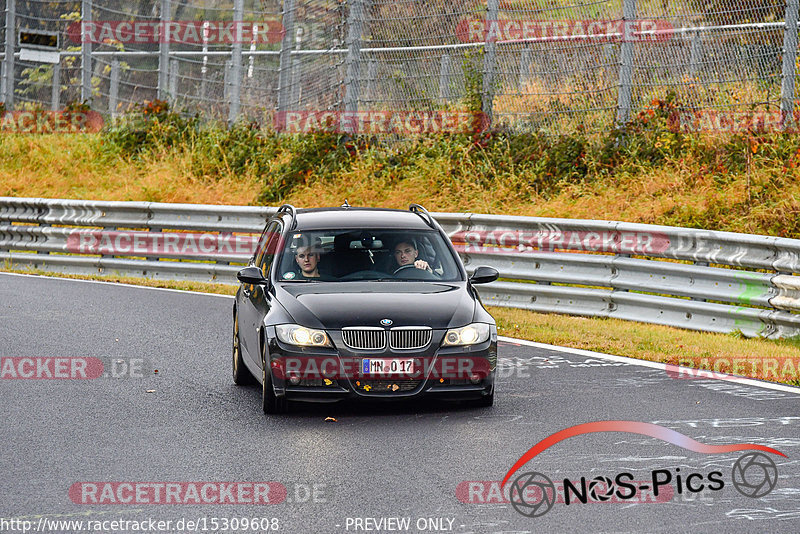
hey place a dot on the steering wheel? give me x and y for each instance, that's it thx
(404, 267)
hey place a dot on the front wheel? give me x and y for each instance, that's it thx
(485, 402)
(270, 402)
(241, 375)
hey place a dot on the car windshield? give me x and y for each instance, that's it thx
(356, 255)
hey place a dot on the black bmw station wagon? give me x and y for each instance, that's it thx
(361, 303)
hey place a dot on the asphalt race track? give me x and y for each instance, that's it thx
(413, 462)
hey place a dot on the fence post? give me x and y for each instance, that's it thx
(8, 61)
(353, 62)
(86, 52)
(626, 63)
(789, 58)
(55, 89)
(696, 54)
(444, 77)
(372, 79)
(113, 92)
(252, 59)
(204, 68)
(174, 70)
(226, 82)
(524, 68)
(296, 77)
(285, 67)
(236, 63)
(163, 50)
(490, 51)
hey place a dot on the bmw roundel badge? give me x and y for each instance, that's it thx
(386, 322)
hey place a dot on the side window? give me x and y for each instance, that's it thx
(267, 247)
(261, 246)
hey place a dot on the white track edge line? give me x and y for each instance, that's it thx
(652, 365)
(183, 291)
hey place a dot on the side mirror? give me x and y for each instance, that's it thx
(484, 275)
(251, 275)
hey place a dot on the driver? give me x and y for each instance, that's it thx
(406, 253)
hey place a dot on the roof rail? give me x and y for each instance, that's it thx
(292, 211)
(422, 212)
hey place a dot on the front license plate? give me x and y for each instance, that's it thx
(386, 366)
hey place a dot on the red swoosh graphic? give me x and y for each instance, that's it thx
(633, 427)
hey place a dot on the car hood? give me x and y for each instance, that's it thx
(335, 305)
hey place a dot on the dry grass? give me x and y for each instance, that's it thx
(683, 194)
(662, 196)
(68, 166)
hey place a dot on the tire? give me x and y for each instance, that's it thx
(241, 374)
(485, 402)
(270, 402)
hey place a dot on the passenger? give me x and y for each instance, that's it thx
(307, 259)
(406, 253)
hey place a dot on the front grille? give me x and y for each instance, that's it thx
(364, 338)
(387, 386)
(409, 338)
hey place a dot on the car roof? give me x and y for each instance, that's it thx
(357, 218)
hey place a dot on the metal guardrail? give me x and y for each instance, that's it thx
(696, 279)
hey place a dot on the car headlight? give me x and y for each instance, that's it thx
(472, 334)
(294, 334)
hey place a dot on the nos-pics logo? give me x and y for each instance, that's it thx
(533, 494)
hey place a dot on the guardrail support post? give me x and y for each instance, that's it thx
(236, 63)
(55, 89)
(355, 22)
(789, 60)
(8, 60)
(626, 63)
(163, 50)
(86, 51)
(489, 59)
(285, 68)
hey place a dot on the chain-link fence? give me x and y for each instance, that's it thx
(528, 64)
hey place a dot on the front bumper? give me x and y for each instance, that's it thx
(334, 374)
